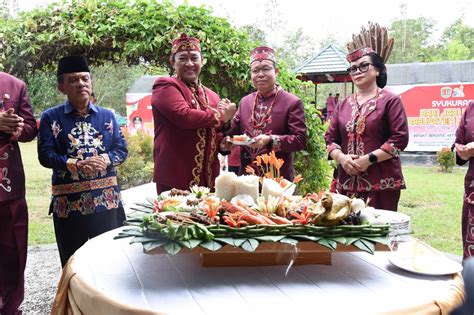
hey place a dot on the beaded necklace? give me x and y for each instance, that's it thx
(259, 124)
(362, 110)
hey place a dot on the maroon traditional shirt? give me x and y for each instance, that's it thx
(380, 123)
(280, 115)
(13, 94)
(464, 135)
(187, 134)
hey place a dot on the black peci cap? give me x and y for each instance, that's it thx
(72, 64)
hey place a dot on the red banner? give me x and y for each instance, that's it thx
(434, 112)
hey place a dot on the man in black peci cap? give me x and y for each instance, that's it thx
(82, 143)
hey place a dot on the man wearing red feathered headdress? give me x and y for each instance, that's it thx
(187, 122)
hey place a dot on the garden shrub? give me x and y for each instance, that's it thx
(138, 168)
(446, 160)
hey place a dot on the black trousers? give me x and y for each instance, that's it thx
(72, 232)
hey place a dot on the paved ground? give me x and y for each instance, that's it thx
(43, 270)
(43, 267)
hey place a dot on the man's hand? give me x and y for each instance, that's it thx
(465, 152)
(228, 111)
(226, 145)
(92, 165)
(10, 122)
(261, 141)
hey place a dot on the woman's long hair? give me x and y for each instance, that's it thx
(378, 63)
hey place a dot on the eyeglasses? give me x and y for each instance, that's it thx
(363, 67)
(264, 70)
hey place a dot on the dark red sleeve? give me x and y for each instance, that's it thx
(333, 136)
(169, 102)
(461, 131)
(397, 126)
(296, 137)
(26, 112)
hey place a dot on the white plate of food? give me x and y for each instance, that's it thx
(418, 257)
(241, 140)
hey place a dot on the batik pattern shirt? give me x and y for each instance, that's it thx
(65, 137)
(380, 123)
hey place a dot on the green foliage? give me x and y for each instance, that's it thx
(137, 32)
(412, 38)
(138, 168)
(312, 162)
(455, 35)
(457, 50)
(446, 160)
(413, 41)
(111, 82)
(296, 48)
(42, 91)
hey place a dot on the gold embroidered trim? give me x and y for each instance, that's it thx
(211, 157)
(84, 186)
(217, 117)
(199, 158)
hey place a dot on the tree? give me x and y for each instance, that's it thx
(256, 34)
(273, 21)
(139, 33)
(132, 33)
(412, 42)
(296, 48)
(457, 50)
(457, 41)
(111, 82)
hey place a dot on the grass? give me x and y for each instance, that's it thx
(38, 192)
(433, 200)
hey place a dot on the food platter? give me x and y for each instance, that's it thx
(418, 257)
(243, 142)
(399, 222)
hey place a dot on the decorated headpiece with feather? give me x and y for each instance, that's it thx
(369, 40)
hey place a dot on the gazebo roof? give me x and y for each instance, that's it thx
(329, 62)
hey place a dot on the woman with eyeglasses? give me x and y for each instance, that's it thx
(367, 132)
(272, 117)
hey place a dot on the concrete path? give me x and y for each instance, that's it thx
(43, 267)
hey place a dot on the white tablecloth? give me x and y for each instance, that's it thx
(355, 283)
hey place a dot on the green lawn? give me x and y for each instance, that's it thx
(38, 192)
(433, 200)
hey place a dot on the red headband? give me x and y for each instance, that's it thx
(262, 53)
(359, 53)
(184, 43)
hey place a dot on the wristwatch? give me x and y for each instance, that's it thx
(372, 158)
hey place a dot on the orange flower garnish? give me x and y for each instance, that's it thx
(279, 164)
(258, 160)
(249, 170)
(265, 158)
(273, 158)
(298, 179)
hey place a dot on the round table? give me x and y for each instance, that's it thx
(108, 276)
